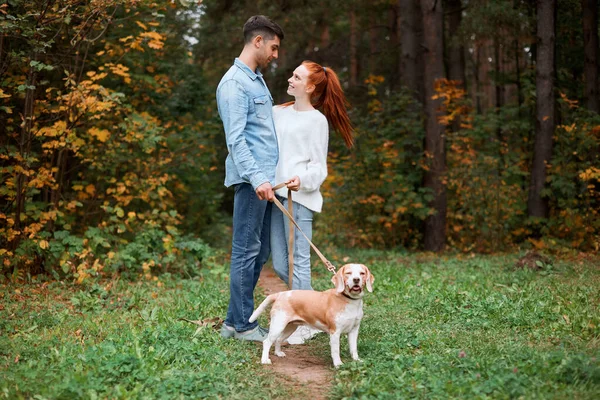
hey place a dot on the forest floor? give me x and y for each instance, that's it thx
(436, 326)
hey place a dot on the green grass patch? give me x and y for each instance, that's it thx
(61, 341)
(434, 328)
(438, 328)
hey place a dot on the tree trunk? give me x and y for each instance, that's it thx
(435, 225)
(325, 36)
(410, 46)
(590, 44)
(537, 205)
(374, 38)
(499, 86)
(456, 51)
(394, 23)
(353, 50)
(517, 52)
(476, 77)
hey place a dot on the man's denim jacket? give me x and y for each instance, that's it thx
(245, 104)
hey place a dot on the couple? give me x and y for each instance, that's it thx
(268, 145)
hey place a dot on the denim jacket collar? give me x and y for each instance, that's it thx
(251, 74)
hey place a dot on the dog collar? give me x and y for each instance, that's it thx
(351, 298)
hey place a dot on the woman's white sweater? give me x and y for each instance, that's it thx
(303, 138)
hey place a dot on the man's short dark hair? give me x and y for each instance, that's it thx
(261, 25)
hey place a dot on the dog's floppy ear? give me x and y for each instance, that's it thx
(338, 280)
(369, 280)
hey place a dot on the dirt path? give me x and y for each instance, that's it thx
(311, 374)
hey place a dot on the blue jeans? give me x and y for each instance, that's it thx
(249, 252)
(279, 244)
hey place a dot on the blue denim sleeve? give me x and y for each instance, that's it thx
(233, 109)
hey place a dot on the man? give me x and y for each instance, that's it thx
(245, 103)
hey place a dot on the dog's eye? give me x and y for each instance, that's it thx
(362, 273)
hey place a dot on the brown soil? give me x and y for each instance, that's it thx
(310, 374)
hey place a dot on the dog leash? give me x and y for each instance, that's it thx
(289, 212)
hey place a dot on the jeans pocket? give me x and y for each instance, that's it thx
(262, 107)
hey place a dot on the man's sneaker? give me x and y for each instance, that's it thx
(227, 332)
(302, 334)
(257, 334)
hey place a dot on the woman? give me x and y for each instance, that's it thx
(303, 135)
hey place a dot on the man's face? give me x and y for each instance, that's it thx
(268, 50)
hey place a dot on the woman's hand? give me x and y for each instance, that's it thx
(293, 184)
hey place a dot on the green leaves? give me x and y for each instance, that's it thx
(40, 66)
(22, 88)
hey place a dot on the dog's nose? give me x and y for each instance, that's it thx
(356, 280)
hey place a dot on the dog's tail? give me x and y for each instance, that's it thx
(263, 306)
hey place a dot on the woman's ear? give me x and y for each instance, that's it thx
(310, 88)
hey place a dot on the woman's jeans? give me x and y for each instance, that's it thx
(249, 252)
(280, 225)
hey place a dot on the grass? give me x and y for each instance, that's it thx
(124, 341)
(434, 328)
(477, 328)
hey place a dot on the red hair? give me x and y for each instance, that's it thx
(329, 97)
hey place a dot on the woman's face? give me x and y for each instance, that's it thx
(298, 83)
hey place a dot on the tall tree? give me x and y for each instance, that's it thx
(410, 45)
(498, 71)
(456, 51)
(353, 49)
(517, 50)
(590, 40)
(537, 204)
(433, 30)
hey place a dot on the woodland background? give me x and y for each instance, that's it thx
(477, 127)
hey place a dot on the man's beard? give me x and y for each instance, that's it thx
(263, 63)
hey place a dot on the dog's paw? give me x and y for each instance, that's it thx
(280, 354)
(267, 361)
(357, 359)
(337, 365)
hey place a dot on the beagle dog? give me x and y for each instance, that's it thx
(334, 311)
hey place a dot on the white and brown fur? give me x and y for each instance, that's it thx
(334, 311)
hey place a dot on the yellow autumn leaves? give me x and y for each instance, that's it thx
(100, 134)
(590, 174)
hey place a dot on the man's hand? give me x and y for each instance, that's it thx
(293, 184)
(265, 192)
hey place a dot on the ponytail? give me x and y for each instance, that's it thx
(329, 97)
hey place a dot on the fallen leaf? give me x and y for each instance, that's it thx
(215, 323)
